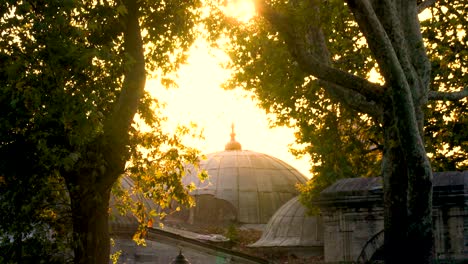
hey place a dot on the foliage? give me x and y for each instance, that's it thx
(155, 169)
(35, 221)
(232, 233)
(447, 121)
(71, 83)
(114, 258)
(342, 142)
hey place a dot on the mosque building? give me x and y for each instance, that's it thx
(244, 188)
(252, 190)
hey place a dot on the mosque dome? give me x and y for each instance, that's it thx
(290, 227)
(244, 186)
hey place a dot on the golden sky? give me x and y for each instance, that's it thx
(200, 99)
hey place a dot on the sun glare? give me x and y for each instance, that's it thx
(200, 99)
(242, 10)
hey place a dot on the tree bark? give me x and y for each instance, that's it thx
(405, 95)
(395, 183)
(89, 188)
(90, 207)
(420, 227)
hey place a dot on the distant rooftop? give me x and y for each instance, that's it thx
(441, 179)
(451, 185)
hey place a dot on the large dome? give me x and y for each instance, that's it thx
(247, 185)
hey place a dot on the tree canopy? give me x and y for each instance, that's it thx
(310, 62)
(343, 142)
(72, 78)
(446, 122)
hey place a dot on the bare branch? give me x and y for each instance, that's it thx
(422, 6)
(448, 96)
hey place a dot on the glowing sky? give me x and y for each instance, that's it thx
(200, 99)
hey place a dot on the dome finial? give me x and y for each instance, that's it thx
(233, 134)
(233, 144)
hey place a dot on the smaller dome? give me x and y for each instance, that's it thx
(290, 226)
(233, 144)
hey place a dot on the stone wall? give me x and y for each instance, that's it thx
(352, 212)
(450, 232)
(347, 231)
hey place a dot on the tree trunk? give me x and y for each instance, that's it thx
(420, 227)
(407, 199)
(90, 225)
(395, 183)
(90, 187)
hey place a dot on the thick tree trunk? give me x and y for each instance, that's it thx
(420, 227)
(90, 225)
(90, 187)
(407, 200)
(395, 177)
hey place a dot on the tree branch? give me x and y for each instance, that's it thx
(352, 99)
(448, 96)
(409, 21)
(379, 43)
(313, 66)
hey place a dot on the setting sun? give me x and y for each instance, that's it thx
(242, 10)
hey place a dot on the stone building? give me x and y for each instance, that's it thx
(255, 190)
(164, 244)
(244, 187)
(353, 220)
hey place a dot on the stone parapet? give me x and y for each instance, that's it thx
(353, 215)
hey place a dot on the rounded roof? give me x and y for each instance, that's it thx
(290, 226)
(255, 184)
